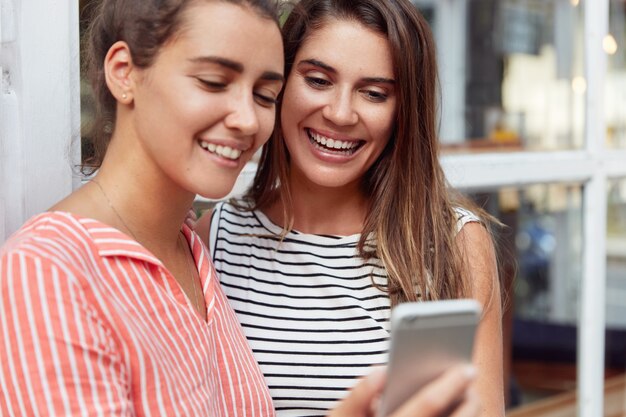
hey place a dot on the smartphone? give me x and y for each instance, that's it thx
(427, 338)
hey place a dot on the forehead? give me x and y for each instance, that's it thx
(346, 43)
(231, 31)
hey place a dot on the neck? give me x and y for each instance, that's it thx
(144, 200)
(322, 210)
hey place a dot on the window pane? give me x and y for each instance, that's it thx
(615, 46)
(541, 267)
(615, 341)
(511, 73)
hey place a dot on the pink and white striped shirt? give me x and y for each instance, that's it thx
(91, 323)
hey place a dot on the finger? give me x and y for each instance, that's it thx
(358, 403)
(439, 395)
(191, 218)
(470, 406)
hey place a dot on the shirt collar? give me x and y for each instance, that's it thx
(111, 242)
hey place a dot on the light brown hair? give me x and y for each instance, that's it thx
(411, 218)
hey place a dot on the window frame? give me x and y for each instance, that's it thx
(593, 166)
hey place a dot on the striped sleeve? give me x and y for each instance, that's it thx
(56, 355)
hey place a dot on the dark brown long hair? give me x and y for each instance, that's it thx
(411, 217)
(145, 25)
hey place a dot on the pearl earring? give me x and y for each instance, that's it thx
(124, 96)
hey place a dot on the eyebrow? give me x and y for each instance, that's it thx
(330, 69)
(318, 63)
(236, 66)
(382, 80)
(272, 76)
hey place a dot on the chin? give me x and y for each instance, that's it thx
(213, 187)
(329, 182)
(331, 179)
(213, 195)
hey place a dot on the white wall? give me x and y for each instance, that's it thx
(39, 106)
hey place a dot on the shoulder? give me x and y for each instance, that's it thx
(463, 217)
(473, 238)
(49, 241)
(40, 233)
(472, 235)
(479, 258)
(43, 265)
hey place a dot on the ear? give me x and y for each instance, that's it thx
(118, 66)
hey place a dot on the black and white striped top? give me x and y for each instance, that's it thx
(307, 305)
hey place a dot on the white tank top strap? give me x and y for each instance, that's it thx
(464, 216)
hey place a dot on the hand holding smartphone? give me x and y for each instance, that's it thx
(427, 339)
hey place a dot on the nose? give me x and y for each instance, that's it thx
(340, 110)
(243, 116)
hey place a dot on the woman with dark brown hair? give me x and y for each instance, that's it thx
(350, 213)
(110, 305)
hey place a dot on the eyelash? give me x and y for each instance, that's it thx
(317, 82)
(212, 85)
(376, 96)
(265, 100)
(261, 98)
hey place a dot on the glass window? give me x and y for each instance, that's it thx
(615, 341)
(511, 73)
(540, 259)
(615, 101)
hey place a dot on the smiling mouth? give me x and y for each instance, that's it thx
(220, 150)
(336, 146)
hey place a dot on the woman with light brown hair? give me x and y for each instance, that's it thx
(349, 213)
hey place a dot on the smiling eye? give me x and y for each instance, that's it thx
(317, 82)
(264, 100)
(212, 85)
(375, 96)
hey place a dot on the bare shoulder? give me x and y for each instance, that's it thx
(479, 255)
(475, 239)
(203, 226)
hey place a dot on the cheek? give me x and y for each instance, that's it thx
(382, 123)
(287, 115)
(266, 126)
(299, 100)
(289, 105)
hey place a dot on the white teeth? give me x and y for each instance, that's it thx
(333, 143)
(223, 151)
(234, 153)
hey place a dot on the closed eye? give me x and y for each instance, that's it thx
(317, 82)
(375, 96)
(264, 100)
(212, 85)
